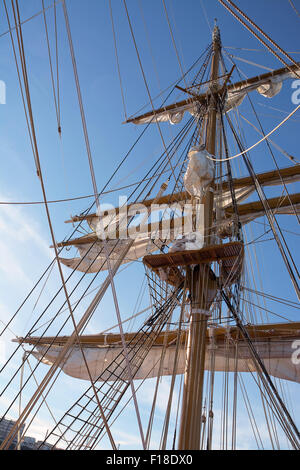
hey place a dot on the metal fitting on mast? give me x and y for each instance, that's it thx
(216, 37)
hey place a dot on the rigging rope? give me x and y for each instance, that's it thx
(259, 142)
(276, 109)
(205, 16)
(96, 192)
(268, 141)
(102, 193)
(267, 310)
(57, 294)
(79, 224)
(155, 68)
(26, 355)
(147, 87)
(295, 9)
(56, 2)
(33, 400)
(117, 58)
(270, 215)
(260, 39)
(251, 63)
(287, 302)
(268, 383)
(174, 44)
(274, 161)
(56, 102)
(290, 157)
(142, 340)
(255, 50)
(164, 438)
(79, 96)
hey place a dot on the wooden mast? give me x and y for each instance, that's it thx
(202, 289)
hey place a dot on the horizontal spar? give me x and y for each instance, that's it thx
(273, 342)
(288, 175)
(282, 204)
(174, 112)
(267, 330)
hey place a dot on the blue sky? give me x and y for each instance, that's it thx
(25, 237)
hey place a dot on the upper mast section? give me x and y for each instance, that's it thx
(202, 288)
(216, 34)
(212, 111)
(211, 126)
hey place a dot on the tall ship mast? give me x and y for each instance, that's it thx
(201, 289)
(183, 228)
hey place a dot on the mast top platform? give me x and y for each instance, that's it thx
(229, 256)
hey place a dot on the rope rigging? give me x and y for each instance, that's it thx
(262, 32)
(268, 141)
(294, 8)
(137, 343)
(293, 432)
(260, 141)
(117, 58)
(103, 191)
(71, 294)
(76, 337)
(271, 218)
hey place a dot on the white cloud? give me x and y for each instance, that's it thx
(147, 393)
(127, 439)
(19, 227)
(11, 266)
(20, 240)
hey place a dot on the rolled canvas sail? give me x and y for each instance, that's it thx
(267, 87)
(91, 261)
(275, 353)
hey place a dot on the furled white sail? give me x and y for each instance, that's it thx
(148, 238)
(287, 210)
(92, 258)
(268, 90)
(223, 199)
(268, 85)
(173, 117)
(199, 172)
(90, 261)
(275, 353)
